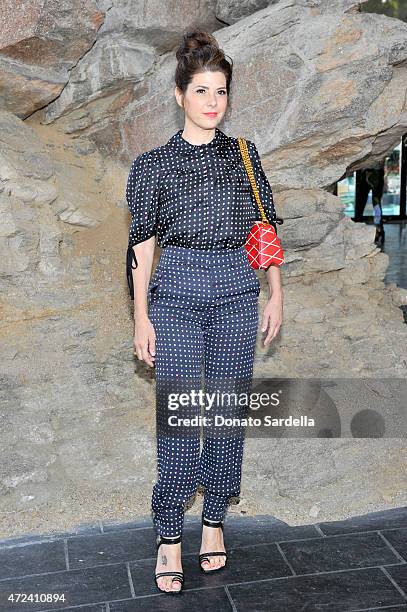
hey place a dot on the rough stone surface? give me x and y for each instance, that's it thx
(129, 45)
(230, 11)
(40, 41)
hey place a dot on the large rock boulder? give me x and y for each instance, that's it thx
(40, 42)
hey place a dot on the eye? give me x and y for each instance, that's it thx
(223, 92)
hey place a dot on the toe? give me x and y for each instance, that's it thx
(164, 583)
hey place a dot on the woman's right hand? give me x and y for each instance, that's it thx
(144, 340)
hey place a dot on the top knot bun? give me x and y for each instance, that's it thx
(194, 40)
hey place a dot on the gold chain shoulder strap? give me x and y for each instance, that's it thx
(249, 169)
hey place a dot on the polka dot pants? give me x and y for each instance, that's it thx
(204, 309)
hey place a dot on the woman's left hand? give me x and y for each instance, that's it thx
(272, 317)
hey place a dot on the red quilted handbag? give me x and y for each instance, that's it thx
(262, 245)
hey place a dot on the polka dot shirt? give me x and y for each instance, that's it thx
(195, 196)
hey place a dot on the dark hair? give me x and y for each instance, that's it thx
(199, 51)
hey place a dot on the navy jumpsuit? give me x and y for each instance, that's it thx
(203, 304)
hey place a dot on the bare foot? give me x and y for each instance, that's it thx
(168, 559)
(212, 540)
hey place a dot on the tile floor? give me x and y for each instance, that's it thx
(355, 564)
(395, 245)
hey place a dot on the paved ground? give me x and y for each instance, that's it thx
(395, 246)
(355, 564)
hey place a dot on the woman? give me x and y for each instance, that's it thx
(202, 302)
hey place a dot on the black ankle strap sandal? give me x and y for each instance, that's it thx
(205, 556)
(177, 576)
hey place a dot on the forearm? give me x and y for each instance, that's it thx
(144, 252)
(273, 275)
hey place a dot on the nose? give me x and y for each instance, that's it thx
(212, 101)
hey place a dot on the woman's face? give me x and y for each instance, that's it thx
(206, 93)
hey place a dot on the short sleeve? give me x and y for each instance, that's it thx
(142, 192)
(263, 185)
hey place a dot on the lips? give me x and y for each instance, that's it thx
(210, 114)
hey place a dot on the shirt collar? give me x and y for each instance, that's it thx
(186, 148)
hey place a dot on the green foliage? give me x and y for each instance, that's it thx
(392, 8)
